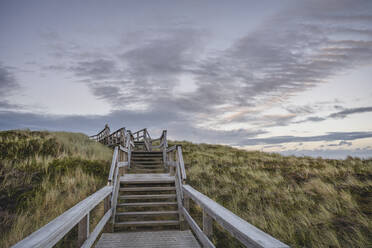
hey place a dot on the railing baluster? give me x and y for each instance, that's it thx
(207, 224)
(83, 229)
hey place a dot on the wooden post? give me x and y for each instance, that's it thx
(106, 207)
(186, 205)
(83, 230)
(186, 202)
(170, 159)
(207, 224)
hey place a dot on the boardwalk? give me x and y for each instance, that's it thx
(146, 203)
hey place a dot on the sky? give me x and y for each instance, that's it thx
(288, 76)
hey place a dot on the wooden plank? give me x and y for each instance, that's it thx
(115, 193)
(97, 230)
(147, 213)
(123, 149)
(123, 164)
(246, 233)
(181, 163)
(199, 233)
(51, 233)
(134, 189)
(161, 196)
(186, 202)
(148, 223)
(147, 178)
(179, 195)
(158, 239)
(146, 204)
(172, 148)
(83, 229)
(113, 164)
(207, 224)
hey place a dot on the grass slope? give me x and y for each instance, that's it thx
(42, 174)
(302, 201)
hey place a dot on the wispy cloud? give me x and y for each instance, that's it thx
(338, 115)
(8, 85)
(332, 136)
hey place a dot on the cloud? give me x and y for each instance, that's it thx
(338, 115)
(344, 113)
(7, 80)
(234, 86)
(97, 69)
(258, 71)
(343, 142)
(332, 136)
(8, 85)
(331, 153)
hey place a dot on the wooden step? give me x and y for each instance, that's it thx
(133, 189)
(145, 153)
(147, 213)
(148, 162)
(145, 166)
(157, 158)
(146, 178)
(137, 170)
(146, 204)
(163, 196)
(147, 223)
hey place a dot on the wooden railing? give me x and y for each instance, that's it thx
(113, 139)
(101, 135)
(54, 231)
(247, 234)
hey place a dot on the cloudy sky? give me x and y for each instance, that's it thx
(281, 76)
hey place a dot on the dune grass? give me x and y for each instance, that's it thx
(302, 201)
(42, 174)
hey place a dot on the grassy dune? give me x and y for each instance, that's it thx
(303, 201)
(42, 174)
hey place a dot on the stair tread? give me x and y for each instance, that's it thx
(146, 213)
(134, 204)
(147, 178)
(147, 189)
(145, 223)
(147, 196)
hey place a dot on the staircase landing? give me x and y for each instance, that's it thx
(161, 239)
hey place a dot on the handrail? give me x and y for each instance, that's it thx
(181, 163)
(246, 233)
(51, 233)
(102, 134)
(113, 165)
(54, 231)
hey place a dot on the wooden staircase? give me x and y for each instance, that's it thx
(147, 162)
(147, 202)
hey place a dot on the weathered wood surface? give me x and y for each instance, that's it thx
(51, 233)
(199, 233)
(143, 178)
(246, 233)
(97, 230)
(161, 239)
(113, 164)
